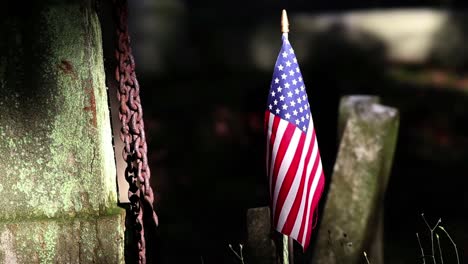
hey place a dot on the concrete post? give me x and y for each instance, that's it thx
(261, 247)
(58, 188)
(352, 220)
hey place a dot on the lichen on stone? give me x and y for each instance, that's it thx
(55, 155)
(65, 240)
(55, 140)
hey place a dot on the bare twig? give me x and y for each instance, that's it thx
(365, 255)
(440, 249)
(241, 256)
(453, 243)
(422, 250)
(432, 235)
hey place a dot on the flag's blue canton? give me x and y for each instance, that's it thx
(288, 97)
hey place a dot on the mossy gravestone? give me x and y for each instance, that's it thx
(58, 189)
(352, 219)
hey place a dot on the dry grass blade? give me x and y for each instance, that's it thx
(365, 255)
(453, 243)
(240, 257)
(440, 249)
(432, 235)
(422, 250)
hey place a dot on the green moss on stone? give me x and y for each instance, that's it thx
(358, 184)
(47, 255)
(55, 141)
(71, 240)
(59, 159)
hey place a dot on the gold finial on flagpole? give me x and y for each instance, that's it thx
(284, 22)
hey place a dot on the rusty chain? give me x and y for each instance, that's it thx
(132, 133)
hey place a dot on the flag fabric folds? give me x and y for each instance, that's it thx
(293, 159)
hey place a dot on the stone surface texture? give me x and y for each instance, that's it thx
(352, 218)
(58, 188)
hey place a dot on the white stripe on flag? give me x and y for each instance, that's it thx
(285, 211)
(288, 156)
(298, 222)
(271, 118)
(279, 135)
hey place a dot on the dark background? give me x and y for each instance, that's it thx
(204, 95)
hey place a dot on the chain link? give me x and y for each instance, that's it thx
(132, 133)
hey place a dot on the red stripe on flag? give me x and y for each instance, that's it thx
(267, 119)
(309, 185)
(289, 177)
(315, 202)
(285, 140)
(293, 213)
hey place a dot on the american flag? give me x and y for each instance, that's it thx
(293, 160)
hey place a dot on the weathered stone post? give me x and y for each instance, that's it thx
(260, 245)
(349, 105)
(352, 220)
(57, 172)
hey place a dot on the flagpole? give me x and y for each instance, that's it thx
(288, 244)
(285, 244)
(288, 250)
(284, 22)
